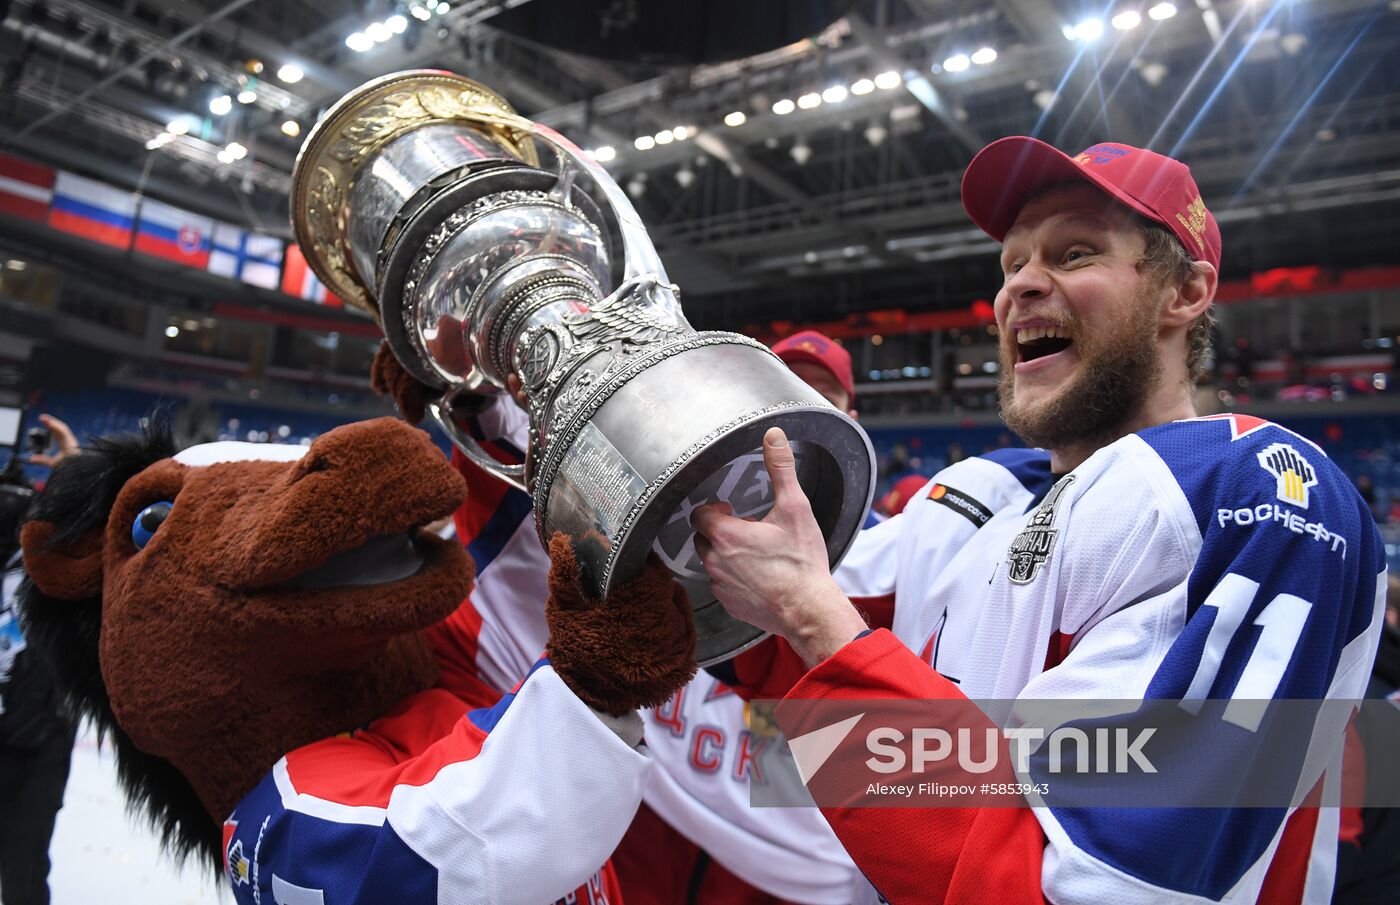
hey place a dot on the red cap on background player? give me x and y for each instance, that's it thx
(819, 349)
(1006, 173)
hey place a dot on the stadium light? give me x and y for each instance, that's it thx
(862, 86)
(1161, 11)
(291, 128)
(1089, 30)
(984, 55)
(290, 73)
(247, 96)
(604, 154)
(737, 118)
(956, 63)
(644, 143)
(887, 80)
(221, 105)
(810, 101)
(784, 107)
(378, 32)
(359, 42)
(397, 24)
(835, 94)
(664, 137)
(1127, 20)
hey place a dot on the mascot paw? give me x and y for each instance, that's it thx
(388, 378)
(631, 650)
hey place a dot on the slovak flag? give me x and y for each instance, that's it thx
(299, 280)
(25, 188)
(250, 257)
(173, 234)
(93, 210)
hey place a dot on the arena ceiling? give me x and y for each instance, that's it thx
(1288, 112)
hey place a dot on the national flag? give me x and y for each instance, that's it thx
(242, 255)
(92, 210)
(299, 280)
(176, 235)
(25, 188)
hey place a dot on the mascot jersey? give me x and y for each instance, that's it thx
(1221, 557)
(706, 756)
(449, 798)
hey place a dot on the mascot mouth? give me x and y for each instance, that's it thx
(383, 559)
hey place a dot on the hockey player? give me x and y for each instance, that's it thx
(1144, 553)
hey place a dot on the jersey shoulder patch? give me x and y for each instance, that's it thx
(1239, 460)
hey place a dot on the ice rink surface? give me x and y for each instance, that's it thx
(101, 854)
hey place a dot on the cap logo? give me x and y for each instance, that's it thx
(1195, 220)
(808, 345)
(1100, 154)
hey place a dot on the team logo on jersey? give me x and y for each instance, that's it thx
(238, 865)
(1292, 473)
(1031, 548)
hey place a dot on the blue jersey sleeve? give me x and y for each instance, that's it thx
(1278, 613)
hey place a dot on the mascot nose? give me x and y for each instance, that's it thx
(373, 451)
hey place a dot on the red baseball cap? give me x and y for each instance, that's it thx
(1007, 172)
(819, 349)
(902, 492)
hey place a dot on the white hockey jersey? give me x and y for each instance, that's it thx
(1221, 557)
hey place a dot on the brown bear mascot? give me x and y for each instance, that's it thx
(279, 652)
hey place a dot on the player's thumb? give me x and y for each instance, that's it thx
(782, 469)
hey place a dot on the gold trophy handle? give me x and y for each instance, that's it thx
(514, 475)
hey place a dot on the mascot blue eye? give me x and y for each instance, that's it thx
(148, 522)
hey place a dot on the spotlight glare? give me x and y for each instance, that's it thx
(359, 42)
(378, 32)
(984, 55)
(644, 142)
(887, 80)
(809, 101)
(1127, 20)
(956, 63)
(862, 86)
(681, 133)
(397, 24)
(290, 73)
(664, 137)
(835, 94)
(420, 12)
(1161, 11)
(236, 150)
(737, 118)
(172, 331)
(247, 96)
(178, 127)
(604, 153)
(291, 128)
(1089, 30)
(221, 105)
(784, 107)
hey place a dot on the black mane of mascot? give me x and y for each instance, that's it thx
(211, 618)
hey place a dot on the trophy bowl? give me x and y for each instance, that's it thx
(498, 257)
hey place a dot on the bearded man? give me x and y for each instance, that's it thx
(1143, 553)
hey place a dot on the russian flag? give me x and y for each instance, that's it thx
(173, 234)
(98, 212)
(250, 257)
(299, 280)
(25, 188)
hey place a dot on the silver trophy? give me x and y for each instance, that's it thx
(492, 250)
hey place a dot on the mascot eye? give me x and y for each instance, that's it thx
(148, 522)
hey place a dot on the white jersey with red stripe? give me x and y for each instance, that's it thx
(1221, 557)
(704, 753)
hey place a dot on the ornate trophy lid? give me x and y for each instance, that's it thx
(360, 124)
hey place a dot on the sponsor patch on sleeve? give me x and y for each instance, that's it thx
(960, 503)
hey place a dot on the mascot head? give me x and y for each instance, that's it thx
(216, 608)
